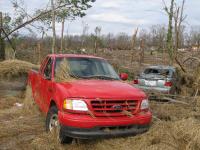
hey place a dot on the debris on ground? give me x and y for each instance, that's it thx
(175, 125)
(15, 68)
(18, 104)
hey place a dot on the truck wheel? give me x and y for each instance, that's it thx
(52, 124)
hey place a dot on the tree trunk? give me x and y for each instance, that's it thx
(142, 48)
(62, 35)
(2, 45)
(182, 18)
(176, 32)
(133, 44)
(53, 27)
(95, 45)
(170, 33)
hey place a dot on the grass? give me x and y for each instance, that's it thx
(25, 127)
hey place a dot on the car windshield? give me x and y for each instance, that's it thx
(155, 71)
(89, 68)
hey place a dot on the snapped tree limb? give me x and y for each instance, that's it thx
(33, 19)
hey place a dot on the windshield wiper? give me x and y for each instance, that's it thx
(103, 77)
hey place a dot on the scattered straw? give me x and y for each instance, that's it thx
(176, 127)
(29, 106)
(63, 72)
(15, 68)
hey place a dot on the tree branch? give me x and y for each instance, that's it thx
(165, 7)
(179, 63)
(9, 40)
(33, 19)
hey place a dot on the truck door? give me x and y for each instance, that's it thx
(46, 89)
(37, 84)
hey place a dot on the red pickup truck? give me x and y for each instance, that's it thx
(96, 104)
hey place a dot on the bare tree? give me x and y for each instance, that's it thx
(109, 40)
(142, 49)
(97, 31)
(123, 41)
(53, 27)
(133, 44)
(84, 33)
(194, 37)
(157, 35)
(62, 34)
(177, 13)
(70, 14)
(170, 13)
(26, 19)
(178, 20)
(2, 48)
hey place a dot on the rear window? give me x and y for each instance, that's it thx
(163, 72)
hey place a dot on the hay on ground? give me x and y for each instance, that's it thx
(15, 68)
(29, 105)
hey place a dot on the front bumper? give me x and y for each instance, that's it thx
(87, 127)
(103, 132)
(88, 122)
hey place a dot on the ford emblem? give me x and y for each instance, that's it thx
(117, 107)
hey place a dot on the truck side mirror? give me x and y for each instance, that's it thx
(123, 76)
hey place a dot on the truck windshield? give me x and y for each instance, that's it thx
(89, 68)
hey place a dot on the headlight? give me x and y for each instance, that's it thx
(78, 105)
(144, 104)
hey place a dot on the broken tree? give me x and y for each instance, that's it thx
(2, 45)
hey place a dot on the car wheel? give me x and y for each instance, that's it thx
(52, 125)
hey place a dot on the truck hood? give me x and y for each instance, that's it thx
(94, 89)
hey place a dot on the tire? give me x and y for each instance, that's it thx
(52, 123)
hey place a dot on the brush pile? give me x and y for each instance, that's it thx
(188, 82)
(15, 68)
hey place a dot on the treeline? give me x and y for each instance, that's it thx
(151, 39)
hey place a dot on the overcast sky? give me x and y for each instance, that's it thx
(117, 15)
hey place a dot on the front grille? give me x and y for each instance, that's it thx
(114, 107)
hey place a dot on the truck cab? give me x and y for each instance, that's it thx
(96, 103)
